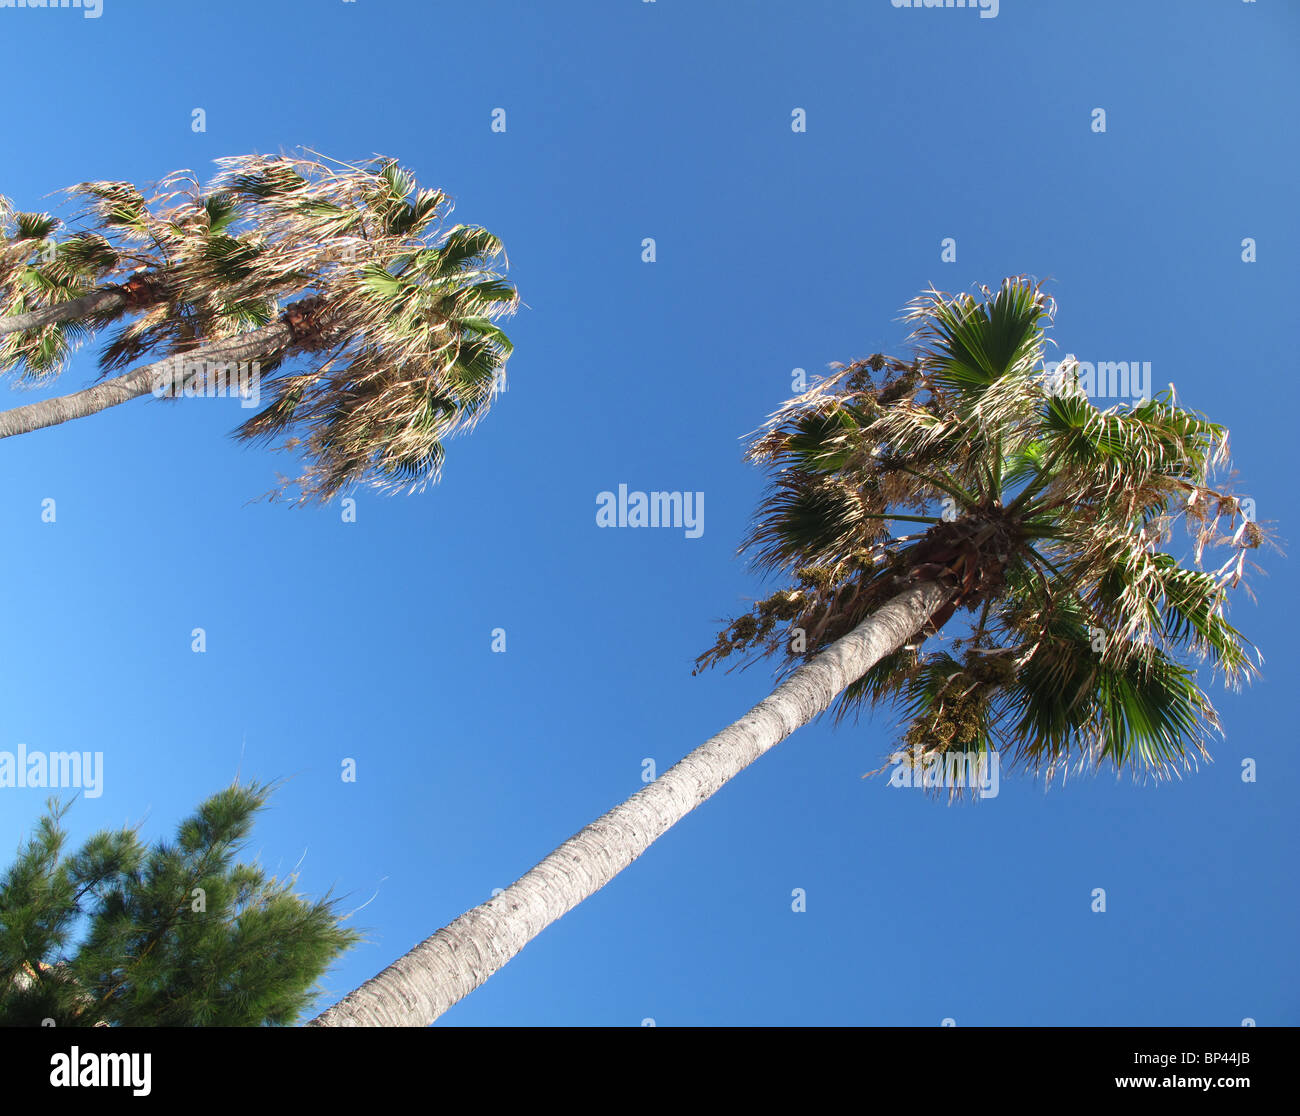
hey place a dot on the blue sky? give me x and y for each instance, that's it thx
(776, 250)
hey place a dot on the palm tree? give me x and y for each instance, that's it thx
(1028, 508)
(353, 272)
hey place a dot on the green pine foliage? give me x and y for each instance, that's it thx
(179, 934)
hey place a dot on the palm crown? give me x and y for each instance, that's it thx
(1042, 514)
(392, 312)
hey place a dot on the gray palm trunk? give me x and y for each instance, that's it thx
(98, 303)
(420, 986)
(141, 381)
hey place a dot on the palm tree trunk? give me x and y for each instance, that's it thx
(141, 381)
(103, 301)
(420, 986)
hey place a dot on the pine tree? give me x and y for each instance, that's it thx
(177, 934)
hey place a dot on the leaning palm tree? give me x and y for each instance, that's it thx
(376, 321)
(905, 492)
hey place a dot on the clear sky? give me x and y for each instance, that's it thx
(776, 250)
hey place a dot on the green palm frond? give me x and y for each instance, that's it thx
(33, 226)
(969, 344)
(809, 519)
